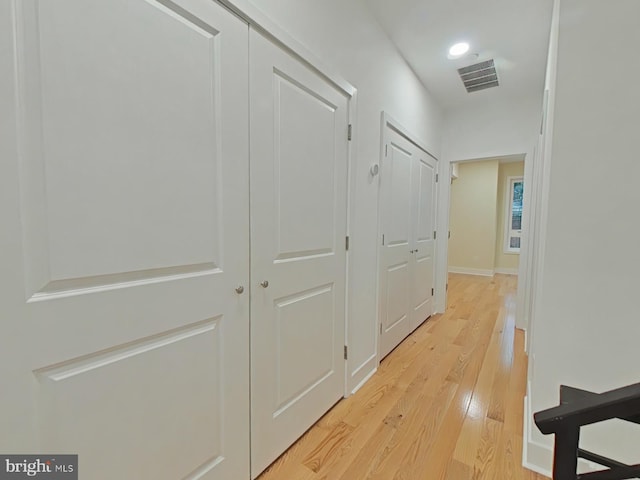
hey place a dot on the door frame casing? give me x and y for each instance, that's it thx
(267, 27)
(387, 120)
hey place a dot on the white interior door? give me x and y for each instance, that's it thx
(407, 206)
(122, 336)
(298, 222)
(423, 196)
(396, 254)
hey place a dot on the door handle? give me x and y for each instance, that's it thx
(239, 289)
(264, 284)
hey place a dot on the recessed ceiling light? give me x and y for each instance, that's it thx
(458, 50)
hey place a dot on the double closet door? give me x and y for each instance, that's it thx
(407, 209)
(131, 218)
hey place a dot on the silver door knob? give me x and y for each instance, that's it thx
(239, 289)
(264, 284)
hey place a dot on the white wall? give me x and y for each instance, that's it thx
(346, 36)
(585, 312)
(505, 127)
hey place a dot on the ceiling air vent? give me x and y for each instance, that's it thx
(479, 76)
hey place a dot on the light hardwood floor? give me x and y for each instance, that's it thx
(446, 404)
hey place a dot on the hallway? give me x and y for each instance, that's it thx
(446, 404)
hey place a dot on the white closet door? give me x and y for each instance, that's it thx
(407, 208)
(423, 197)
(396, 256)
(123, 337)
(298, 222)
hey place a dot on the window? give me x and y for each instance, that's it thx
(513, 214)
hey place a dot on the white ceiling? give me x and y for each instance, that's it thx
(515, 33)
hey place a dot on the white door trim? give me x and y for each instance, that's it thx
(260, 22)
(440, 280)
(263, 24)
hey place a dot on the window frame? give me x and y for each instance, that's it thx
(508, 215)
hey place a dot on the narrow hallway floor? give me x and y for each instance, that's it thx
(446, 404)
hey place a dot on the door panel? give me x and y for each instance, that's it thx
(407, 199)
(424, 199)
(396, 269)
(298, 224)
(133, 138)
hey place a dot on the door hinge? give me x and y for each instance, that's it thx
(432, 292)
(446, 288)
(435, 234)
(383, 239)
(381, 329)
(449, 234)
(346, 242)
(349, 132)
(386, 150)
(346, 352)
(437, 177)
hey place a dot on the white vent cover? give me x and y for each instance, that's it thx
(479, 76)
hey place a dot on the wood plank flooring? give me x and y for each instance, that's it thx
(446, 404)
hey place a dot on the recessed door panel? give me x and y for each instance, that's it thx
(397, 204)
(301, 322)
(396, 270)
(122, 155)
(407, 206)
(424, 243)
(133, 176)
(425, 216)
(398, 287)
(298, 261)
(141, 392)
(305, 179)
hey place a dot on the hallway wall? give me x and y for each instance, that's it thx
(585, 325)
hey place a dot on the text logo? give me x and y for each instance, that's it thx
(40, 467)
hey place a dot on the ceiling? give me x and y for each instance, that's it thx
(515, 33)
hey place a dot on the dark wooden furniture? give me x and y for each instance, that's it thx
(578, 408)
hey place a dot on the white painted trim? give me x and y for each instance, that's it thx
(507, 271)
(541, 172)
(508, 192)
(439, 281)
(267, 27)
(441, 221)
(534, 454)
(442, 242)
(388, 120)
(472, 271)
(518, 157)
(351, 372)
(362, 373)
(364, 380)
(258, 20)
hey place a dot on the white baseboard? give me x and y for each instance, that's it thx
(507, 271)
(472, 271)
(535, 456)
(364, 380)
